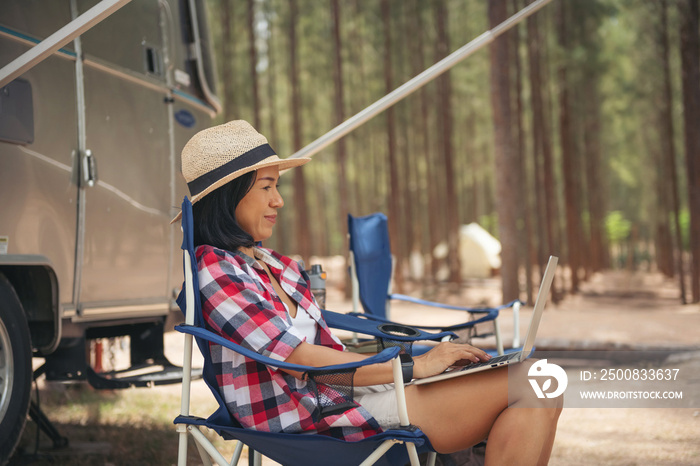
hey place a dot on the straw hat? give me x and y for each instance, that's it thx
(217, 155)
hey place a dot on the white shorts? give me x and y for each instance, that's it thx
(380, 402)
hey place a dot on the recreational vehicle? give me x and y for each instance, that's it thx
(90, 138)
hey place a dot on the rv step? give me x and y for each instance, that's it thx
(144, 375)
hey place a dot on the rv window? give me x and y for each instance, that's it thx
(17, 113)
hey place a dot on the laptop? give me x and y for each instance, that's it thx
(516, 356)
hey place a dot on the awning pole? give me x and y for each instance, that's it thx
(58, 39)
(417, 82)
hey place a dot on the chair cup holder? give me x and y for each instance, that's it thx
(394, 334)
(398, 330)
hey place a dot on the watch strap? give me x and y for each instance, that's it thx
(406, 367)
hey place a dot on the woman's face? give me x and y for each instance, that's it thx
(257, 211)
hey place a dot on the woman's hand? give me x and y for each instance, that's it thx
(444, 355)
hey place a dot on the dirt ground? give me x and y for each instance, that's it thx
(638, 312)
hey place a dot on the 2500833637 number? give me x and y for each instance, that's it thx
(639, 374)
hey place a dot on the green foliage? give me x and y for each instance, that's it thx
(617, 227)
(684, 221)
(489, 223)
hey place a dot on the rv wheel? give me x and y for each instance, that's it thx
(15, 369)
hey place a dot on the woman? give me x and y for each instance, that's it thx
(262, 300)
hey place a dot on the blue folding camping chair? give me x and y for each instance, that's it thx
(290, 449)
(371, 268)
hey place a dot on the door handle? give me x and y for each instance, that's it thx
(89, 169)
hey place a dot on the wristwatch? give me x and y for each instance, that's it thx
(406, 367)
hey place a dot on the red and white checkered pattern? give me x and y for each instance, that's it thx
(239, 303)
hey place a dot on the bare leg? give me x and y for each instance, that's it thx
(522, 436)
(460, 412)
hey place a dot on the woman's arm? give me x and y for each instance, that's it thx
(307, 354)
(433, 362)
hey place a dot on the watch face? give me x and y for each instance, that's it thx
(406, 359)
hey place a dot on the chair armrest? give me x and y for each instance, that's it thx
(490, 316)
(331, 385)
(370, 325)
(476, 310)
(208, 335)
(447, 329)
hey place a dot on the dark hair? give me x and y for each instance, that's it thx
(214, 216)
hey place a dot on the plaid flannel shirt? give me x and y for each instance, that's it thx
(239, 303)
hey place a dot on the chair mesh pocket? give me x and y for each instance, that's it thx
(334, 390)
(468, 334)
(399, 331)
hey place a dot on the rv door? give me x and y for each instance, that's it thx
(125, 192)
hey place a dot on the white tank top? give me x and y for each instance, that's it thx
(305, 325)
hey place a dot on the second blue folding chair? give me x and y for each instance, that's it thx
(371, 267)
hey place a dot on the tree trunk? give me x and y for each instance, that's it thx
(690, 63)
(281, 240)
(430, 173)
(524, 208)
(594, 177)
(445, 123)
(341, 153)
(534, 44)
(416, 207)
(506, 165)
(253, 52)
(271, 75)
(357, 81)
(550, 182)
(300, 211)
(568, 154)
(669, 147)
(227, 70)
(395, 213)
(589, 103)
(663, 241)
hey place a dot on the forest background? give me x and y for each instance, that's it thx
(574, 134)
